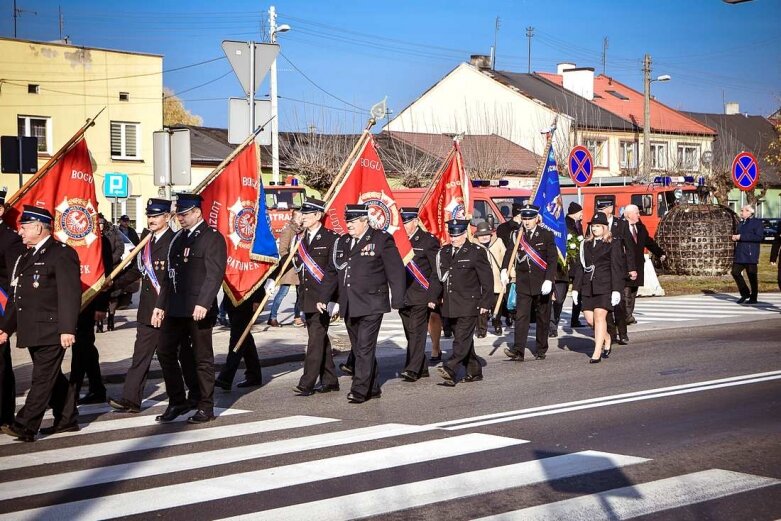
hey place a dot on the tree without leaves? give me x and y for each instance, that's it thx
(174, 112)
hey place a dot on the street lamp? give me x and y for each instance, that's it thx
(274, 30)
(647, 113)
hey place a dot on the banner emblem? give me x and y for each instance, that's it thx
(241, 224)
(382, 210)
(76, 222)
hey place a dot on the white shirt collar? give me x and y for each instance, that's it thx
(195, 226)
(40, 244)
(160, 233)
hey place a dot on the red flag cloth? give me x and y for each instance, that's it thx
(229, 205)
(366, 183)
(449, 199)
(67, 190)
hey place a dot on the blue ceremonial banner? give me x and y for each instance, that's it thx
(264, 245)
(547, 197)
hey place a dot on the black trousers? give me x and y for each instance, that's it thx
(560, 288)
(616, 321)
(751, 271)
(175, 331)
(463, 347)
(85, 358)
(630, 296)
(415, 321)
(7, 385)
(49, 387)
(239, 318)
(363, 333)
(541, 306)
(319, 360)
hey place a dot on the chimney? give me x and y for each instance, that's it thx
(579, 80)
(481, 61)
(732, 107)
(563, 66)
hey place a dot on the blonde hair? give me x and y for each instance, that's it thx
(606, 237)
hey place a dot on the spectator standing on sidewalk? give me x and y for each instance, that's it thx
(747, 240)
(289, 277)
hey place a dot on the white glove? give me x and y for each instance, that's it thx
(615, 298)
(575, 297)
(547, 286)
(504, 277)
(335, 310)
(270, 287)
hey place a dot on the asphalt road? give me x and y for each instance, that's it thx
(681, 424)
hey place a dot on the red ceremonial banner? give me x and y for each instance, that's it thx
(67, 190)
(229, 205)
(449, 199)
(366, 183)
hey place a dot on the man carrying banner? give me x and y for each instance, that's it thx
(45, 284)
(11, 248)
(318, 283)
(416, 310)
(535, 271)
(369, 266)
(197, 260)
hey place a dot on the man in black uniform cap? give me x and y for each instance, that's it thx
(369, 263)
(46, 296)
(467, 290)
(196, 261)
(535, 271)
(11, 248)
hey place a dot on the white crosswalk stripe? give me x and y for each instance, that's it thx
(68, 482)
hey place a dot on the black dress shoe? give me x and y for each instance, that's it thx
(513, 354)
(473, 378)
(409, 376)
(122, 405)
(447, 334)
(91, 398)
(222, 384)
(553, 333)
(751, 301)
(424, 374)
(327, 388)
(346, 369)
(540, 357)
(354, 398)
(594, 361)
(623, 340)
(481, 335)
(172, 412)
(274, 323)
(448, 377)
(630, 321)
(56, 428)
(435, 359)
(201, 416)
(606, 353)
(742, 299)
(300, 391)
(249, 383)
(18, 432)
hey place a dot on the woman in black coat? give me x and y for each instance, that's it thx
(599, 281)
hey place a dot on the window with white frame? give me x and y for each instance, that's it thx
(124, 140)
(658, 156)
(39, 127)
(688, 157)
(598, 149)
(628, 154)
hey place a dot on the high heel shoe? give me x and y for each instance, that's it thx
(594, 361)
(606, 353)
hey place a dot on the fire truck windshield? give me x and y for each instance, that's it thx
(284, 198)
(505, 204)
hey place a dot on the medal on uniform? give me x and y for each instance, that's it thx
(186, 254)
(35, 280)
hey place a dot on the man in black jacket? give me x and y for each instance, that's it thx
(574, 221)
(637, 240)
(197, 259)
(371, 275)
(46, 296)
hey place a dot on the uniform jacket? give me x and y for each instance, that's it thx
(114, 237)
(496, 252)
(47, 295)
(747, 247)
(148, 298)
(425, 246)
(528, 275)
(635, 250)
(467, 281)
(608, 274)
(196, 267)
(321, 250)
(11, 247)
(619, 230)
(286, 238)
(367, 271)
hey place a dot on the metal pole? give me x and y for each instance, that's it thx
(580, 196)
(21, 177)
(647, 117)
(529, 34)
(251, 94)
(272, 19)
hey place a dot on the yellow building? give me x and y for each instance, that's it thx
(48, 90)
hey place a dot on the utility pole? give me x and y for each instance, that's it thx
(529, 35)
(604, 56)
(59, 8)
(18, 12)
(496, 32)
(272, 26)
(647, 117)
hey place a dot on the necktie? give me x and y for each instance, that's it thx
(634, 232)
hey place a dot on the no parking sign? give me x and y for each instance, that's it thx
(581, 165)
(745, 171)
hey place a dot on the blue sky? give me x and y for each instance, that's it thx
(355, 53)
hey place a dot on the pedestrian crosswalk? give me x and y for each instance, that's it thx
(311, 467)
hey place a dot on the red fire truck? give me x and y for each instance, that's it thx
(281, 199)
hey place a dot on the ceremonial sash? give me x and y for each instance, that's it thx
(3, 302)
(311, 266)
(533, 254)
(146, 259)
(417, 274)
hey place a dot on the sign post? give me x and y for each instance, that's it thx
(116, 185)
(581, 168)
(745, 171)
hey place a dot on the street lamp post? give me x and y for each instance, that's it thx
(274, 29)
(647, 113)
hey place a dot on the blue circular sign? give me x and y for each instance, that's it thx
(745, 171)
(581, 165)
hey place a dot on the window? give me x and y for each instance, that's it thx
(124, 96)
(644, 202)
(127, 207)
(658, 156)
(124, 140)
(481, 211)
(617, 94)
(628, 154)
(32, 88)
(689, 157)
(598, 149)
(39, 127)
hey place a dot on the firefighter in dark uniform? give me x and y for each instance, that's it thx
(535, 272)
(464, 270)
(317, 287)
(240, 317)
(416, 311)
(371, 280)
(152, 268)
(196, 262)
(46, 295)
(11, 248)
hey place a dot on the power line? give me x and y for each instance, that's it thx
(321, 105)
(310, 80)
